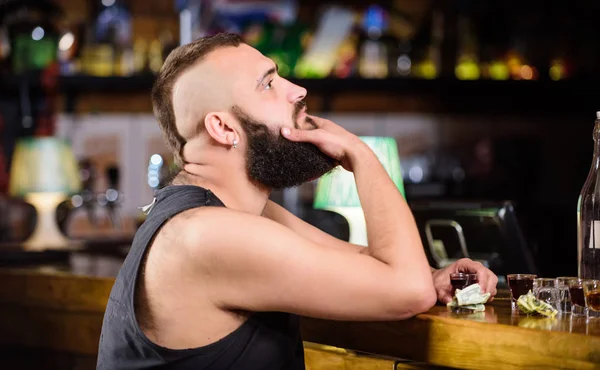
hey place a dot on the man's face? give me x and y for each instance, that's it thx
(245, 83)
(276, 162)
(263, 103)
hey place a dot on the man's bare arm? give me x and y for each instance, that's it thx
(252, 263)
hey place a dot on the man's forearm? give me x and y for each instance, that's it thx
(392, 234)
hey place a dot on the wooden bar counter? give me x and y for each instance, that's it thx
(60, 309)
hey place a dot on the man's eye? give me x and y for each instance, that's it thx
(268, 86)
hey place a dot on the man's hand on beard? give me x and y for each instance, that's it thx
(330, 138)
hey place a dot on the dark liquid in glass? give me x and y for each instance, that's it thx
(577, 296)
(519, 287)
(593, 300)
(473, 280)
(458, 283)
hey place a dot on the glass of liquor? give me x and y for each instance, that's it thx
(562, 283)
(519, 284)
(546, 290)
(591, 291)
(458, 280)
(473, 279)
(578, 307)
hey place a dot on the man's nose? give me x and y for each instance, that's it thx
(296, 93)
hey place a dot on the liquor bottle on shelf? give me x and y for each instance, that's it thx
(494, 29)
(523, 53)
(108, 46)
(401, 29)
(588, 216)
(428, 65)
(345, 65)
(560, 66)
(373, 59)
(467, 66)
(321, 54)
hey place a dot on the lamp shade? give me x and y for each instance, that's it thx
(43, 165)
(337, 192)
(338, 188)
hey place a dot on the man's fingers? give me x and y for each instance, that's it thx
(492, 285)
(319, 122)
(483, 282)
(444, 295)
(293, 134)
(487, 279)
(484, 276)
(445, 298)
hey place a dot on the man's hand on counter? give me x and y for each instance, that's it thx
(441, 278)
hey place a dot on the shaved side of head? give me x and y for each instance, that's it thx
(189, 111)
(195, 93)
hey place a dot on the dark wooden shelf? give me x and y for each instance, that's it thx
(79, 83)
(444, 95)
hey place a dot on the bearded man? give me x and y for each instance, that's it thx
(218, 275)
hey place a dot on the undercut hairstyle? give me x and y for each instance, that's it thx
(180, 60)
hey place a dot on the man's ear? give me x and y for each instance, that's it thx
(221, 128)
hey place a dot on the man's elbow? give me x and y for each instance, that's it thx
(426, 298)
(419, 300)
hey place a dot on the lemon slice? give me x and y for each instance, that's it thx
(530, 305)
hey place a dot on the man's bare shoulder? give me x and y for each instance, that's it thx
(209, 227)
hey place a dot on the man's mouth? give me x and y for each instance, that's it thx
(300, 116)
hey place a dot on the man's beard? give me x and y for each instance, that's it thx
(277, 163)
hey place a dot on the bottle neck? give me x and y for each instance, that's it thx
(596, 135)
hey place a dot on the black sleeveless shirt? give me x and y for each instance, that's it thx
(266, 340)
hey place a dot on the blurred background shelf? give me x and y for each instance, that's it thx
(489, 100)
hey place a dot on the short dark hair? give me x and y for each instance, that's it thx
(178, 61)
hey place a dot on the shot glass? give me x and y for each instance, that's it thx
(578, 307)
(546, 290)
(563, 292)
(458, 280)
(591, 291)
(519, 284)
(473, 279)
